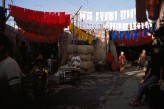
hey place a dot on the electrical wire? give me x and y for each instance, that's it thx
(71, 3)
(88, 4)
(83, 4)
(77, 4)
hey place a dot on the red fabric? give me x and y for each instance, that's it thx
(40, 26)
(140, 33)
(61, 18)
(55, 19)
(153, 9)
(38, 16)
(114, 66)
(141, 40)
(38, 38)
(124, 41)
(141, 11)
(109, 57)
(28, 15)
(67, 20)
(14, 10)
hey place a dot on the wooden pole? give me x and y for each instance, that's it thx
(73, 37)
(73, 29)
(2, 21)
(76, 26)
(4, 7)
(109, 32)
(3, 3)
(76, 12)
(105, 41)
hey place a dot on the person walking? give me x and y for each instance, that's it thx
(142, 59)
(50, 64)
(122, 61)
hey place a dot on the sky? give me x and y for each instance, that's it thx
(71, 6)
(74, 5)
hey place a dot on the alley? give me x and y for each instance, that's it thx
(82, 54)
(99, 90)
(122, 94)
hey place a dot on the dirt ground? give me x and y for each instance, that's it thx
(99, 90)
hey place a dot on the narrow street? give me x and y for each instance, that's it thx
(82, 54)
(121, 95)
(99, 90)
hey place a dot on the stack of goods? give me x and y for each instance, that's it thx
(86, 54)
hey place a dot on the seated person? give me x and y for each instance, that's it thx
(154, 75)
(75, 61)
(148, 66)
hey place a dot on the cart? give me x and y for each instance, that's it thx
(72, 73)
